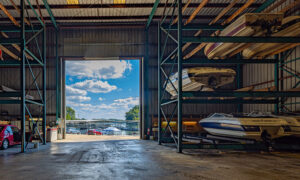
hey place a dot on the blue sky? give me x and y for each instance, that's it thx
(102, 89)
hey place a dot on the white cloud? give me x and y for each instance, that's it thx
(79, 98)
(74, 91)
(100, 99)
(117, 109)
(95, 86)
(98, 69)
(127, 102)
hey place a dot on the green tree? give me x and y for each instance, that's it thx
(133, 113)
(70, 113)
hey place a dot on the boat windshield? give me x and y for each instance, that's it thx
(221, 115)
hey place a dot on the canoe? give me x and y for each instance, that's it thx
(201, 79)
(290, 27)
(250, 24)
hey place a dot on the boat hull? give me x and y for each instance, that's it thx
(201, 79)
(250, 24)
(245, 128)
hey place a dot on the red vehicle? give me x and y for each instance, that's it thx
(94, 132)
(9, 135)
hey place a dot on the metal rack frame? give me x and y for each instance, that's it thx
(164, 60)
(25, 64)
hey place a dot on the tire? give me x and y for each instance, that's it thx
(5, 144)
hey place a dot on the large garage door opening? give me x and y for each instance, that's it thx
(102, 99)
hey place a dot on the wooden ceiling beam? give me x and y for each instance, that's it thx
(202, 45)
(19, 11)
(183, 10)
(196, 11)
(9, 15)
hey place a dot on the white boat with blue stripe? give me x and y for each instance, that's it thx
(245, 127)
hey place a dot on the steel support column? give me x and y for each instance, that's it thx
(276, 83)
(159, 82)
(146, 77)
(239, 80)
(58, 105)
(44, 85)
(22, 77)
(179, 65)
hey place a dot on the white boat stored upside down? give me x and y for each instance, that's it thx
(201, 79)
(245, 127)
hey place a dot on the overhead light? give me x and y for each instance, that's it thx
(119, 1)
(72, 2)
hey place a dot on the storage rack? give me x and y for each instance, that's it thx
(164, 60)
(27, 35)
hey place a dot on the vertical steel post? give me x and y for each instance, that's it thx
(146, 89)
(159, 82)
(44, 85)
(57, 77)
(276, 82)
(179, 114)
(239, 81)
(22, 77)
(281, 82)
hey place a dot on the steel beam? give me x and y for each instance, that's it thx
(5, 41)
(50, 13)
(34, 57)
(154, 8)
(264, 6)
(17, 29)
(10, 94)
(44, 85)
(195, 27)
(13, 62)
(224, 61)
(22, 76)
(228, 101)
(241, 39)
(241, 94)
(159, 82)
(179, 66)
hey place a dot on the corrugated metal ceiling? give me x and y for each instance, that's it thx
(111, 14)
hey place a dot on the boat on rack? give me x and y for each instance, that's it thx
(201, 79)
(293, 121)
(290, 28)
(251, 126)
(250, 24)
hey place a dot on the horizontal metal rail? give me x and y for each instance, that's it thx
(242, 94)
(241, 39)
(12, 62)
(5, 41)
(17, 29)
(10, 94)
(224, 61)
(229, 101)
(195, 27)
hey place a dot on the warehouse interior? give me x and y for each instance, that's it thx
(200, 60)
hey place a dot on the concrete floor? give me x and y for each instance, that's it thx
(138, 159)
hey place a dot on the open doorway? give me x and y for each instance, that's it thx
(102, 98)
